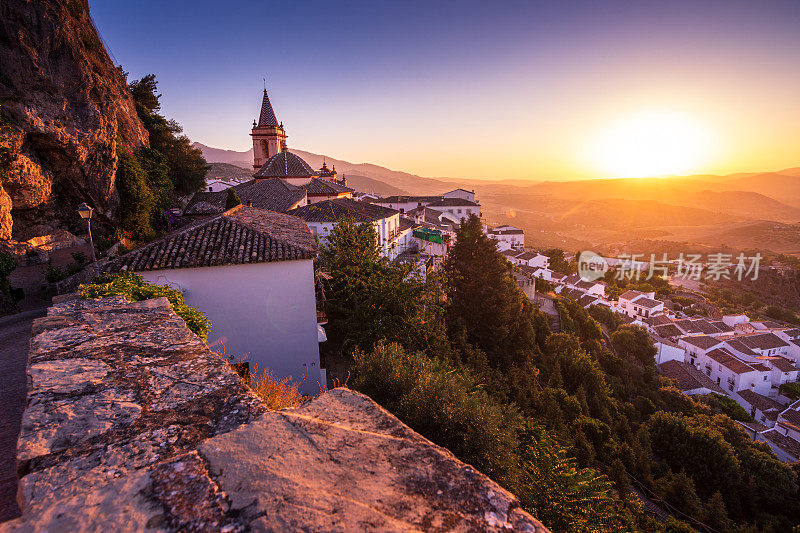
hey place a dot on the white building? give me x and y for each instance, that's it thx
(216, 185)
(322, 216)
(635, 303)
(508, 237)
(460, 193)
(532, 259)
(251, 272)
(667, 350)
(460, 203)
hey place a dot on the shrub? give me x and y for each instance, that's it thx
(232, 199)
(135, 288)
(791, 390)
(444, 405)
(7, 266)
(275, 393)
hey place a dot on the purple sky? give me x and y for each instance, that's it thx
(488, 89)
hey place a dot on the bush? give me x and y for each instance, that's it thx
(54, 274)
(445, 406)
(791, 390)
(725, 405)
(275, 393)
(135, 288)
(7, 266)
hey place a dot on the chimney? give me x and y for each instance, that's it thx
(249, 202)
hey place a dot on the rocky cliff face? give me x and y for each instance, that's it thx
(65, 104)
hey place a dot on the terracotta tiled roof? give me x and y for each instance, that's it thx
(239, 235)
(270, 194)
(658, 320)
(791, 418)
(703, 342)
(762, 341)
(699, 325)
(668, 330)
(754, 426)
(405, 199)
(647, 302)
(768, 406)
(729, 361)
(407, 223)
(453, 202)
(720, 325)
(793, 333)
(341, 208)
(503, 230)
(629, 295)
(739, 346)
(788, 445)
(525, 256)
(687, 376)
(323, 187)
(285, 164)
(783, 364)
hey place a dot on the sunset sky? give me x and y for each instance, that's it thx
(538, 90)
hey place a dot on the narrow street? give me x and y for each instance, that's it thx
(14, 339)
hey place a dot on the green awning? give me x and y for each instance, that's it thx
(430, 235)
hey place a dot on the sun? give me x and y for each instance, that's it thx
(652, 144)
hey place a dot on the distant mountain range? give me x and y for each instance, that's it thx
(736, 209)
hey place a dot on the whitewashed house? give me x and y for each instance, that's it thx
(216, 185)
(635, 303)
(784, 438)
(667, 350)
(697, 346)
(251, 271)
(532, 259)
(507, 237)
(322, 216)
(765, 410)
(463, 194)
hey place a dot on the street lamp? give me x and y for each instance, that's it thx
(86, 213)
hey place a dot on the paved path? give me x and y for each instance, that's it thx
(14, 339)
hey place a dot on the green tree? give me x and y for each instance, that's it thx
(232, 199)
(678, 489)
(372, 299)
(137, 201)
(562, 495)
(634, 342)
(557, 261)
(715, 515)
(485, 301)
(187, 167)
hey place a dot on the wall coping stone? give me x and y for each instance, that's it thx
(132, 423)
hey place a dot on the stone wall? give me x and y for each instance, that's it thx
(133, 424)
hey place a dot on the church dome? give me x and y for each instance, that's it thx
(285, 164)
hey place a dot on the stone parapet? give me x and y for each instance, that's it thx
(133, 424)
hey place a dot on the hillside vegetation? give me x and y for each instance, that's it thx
(569, 426)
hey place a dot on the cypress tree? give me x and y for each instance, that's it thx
(232, 199)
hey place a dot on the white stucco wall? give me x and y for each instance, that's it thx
(667, 352)
(266, 311)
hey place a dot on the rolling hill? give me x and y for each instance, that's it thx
(738, 209)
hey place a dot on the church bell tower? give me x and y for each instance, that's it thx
(268, 135)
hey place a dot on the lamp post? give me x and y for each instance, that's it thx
(86, 213)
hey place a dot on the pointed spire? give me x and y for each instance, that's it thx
(267, 116)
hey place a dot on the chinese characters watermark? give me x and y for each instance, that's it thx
(636, 267)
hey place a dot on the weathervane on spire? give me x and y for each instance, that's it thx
(265, 83)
